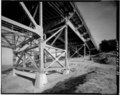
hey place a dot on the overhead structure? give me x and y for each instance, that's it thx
(43, 35)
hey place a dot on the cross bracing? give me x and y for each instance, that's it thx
(43, 35)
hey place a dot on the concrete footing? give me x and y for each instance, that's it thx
(66, 72)
(13, 73)
(41, 80)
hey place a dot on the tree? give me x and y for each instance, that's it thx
(108, 45)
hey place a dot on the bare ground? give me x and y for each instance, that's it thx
(85, 77)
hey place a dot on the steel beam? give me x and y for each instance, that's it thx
(12, 22)
(41, 42)
(41, 14)
(77, 51)
(12, 31)
(74, 30)
(28, 13)
(20, 58)
(10, 44)
(25, 42)
(53, 57)
(56, 10)
(56, 38)
(32, 61)
(27, 74)
(54, 47)
(14, 57)
(34, 14)
(78, 13)
(49, 31)
(84, 50)
(66, 47)
(56, 59)
(54, 34)
(24, 61)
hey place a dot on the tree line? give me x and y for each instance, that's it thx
(108, 45)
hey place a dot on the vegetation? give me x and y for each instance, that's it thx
(108, 45)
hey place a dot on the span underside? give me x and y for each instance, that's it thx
(44, 35)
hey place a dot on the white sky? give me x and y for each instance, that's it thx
(100, 18)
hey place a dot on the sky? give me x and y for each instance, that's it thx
(100, 18)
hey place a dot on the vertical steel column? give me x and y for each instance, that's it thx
(14, 57)
(41, 44)
(56, 53)
(90, 54)
(45, 58)
(84, 50)
(41, 78)
(41, 50)
(24, 61)
(41, 14)
(66, 46)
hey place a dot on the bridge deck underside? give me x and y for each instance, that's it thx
(50, 31)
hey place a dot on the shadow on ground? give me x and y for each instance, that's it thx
(7, 71)
(68, 86)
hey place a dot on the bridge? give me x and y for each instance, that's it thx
(44, 36)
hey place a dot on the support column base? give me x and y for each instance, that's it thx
(41, 80)
(13, 73)
(66, 72)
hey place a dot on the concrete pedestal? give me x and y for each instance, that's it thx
(66, 72)
(41, 80)
(13, 73)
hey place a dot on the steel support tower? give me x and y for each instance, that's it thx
(34, 54)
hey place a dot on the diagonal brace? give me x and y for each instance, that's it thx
(56, 59)
(77, 51)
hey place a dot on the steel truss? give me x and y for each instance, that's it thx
(30, 48)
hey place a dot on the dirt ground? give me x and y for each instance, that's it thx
(85, 77)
